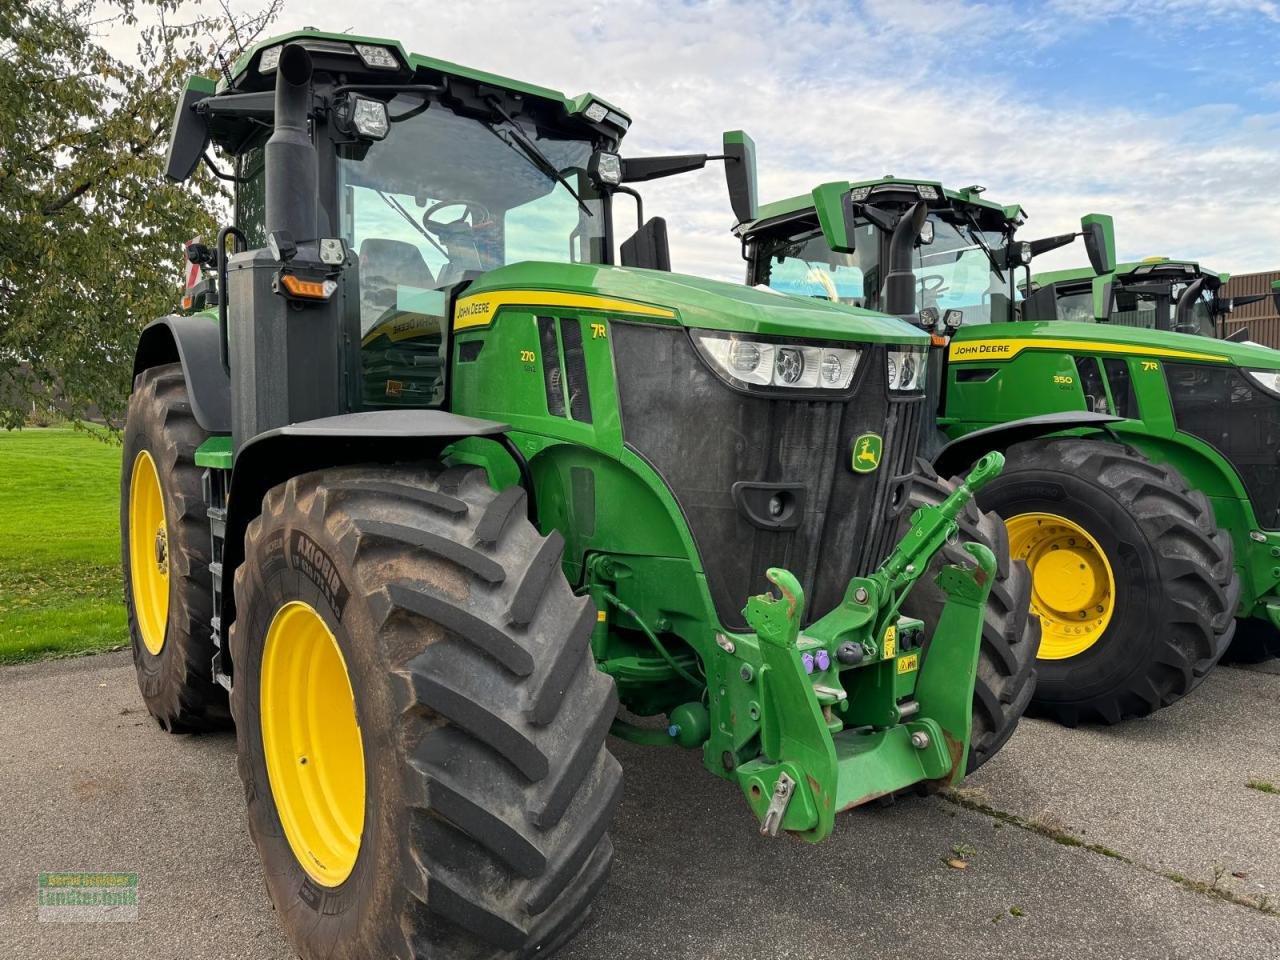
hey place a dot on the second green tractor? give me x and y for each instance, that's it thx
(1150, 514)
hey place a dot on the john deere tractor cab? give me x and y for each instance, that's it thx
(1156, 294)
(439, 479)
(1142, 477)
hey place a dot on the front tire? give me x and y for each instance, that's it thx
(1010, 634)
(1133, 579)
(165, 548)
(446, 791)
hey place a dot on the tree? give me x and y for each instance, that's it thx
(91, 235)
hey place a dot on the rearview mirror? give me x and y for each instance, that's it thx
(1099, 241)
(189, 135)
(740, 174)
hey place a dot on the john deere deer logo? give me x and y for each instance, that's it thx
(866, 453)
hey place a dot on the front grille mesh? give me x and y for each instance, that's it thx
(1226, 410)
(703, 437)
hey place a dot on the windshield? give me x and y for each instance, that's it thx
(443, 198)
(1075, 303)
(805, 266)
(954, 272)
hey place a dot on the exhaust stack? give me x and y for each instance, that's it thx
(291, 166)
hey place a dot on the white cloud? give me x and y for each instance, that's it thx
(833, 91)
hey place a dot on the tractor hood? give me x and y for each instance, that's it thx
(1002, 341)
(674, 298)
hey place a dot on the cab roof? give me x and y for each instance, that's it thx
(416, 61)
(1136, 267)
(972, 196)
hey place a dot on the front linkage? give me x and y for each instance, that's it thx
(860, 704)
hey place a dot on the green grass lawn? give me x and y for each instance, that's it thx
(60, 586)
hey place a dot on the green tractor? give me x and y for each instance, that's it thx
(430, 483)
(1150, 514)
(1156, 294)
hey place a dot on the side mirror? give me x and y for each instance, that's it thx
(189, 135)
(834, 207)
(647, 248)
(1099, 241)
(740, 174)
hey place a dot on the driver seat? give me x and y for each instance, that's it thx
(397, 260)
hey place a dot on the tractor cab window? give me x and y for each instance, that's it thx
(803, 265)
(442, 199)
(1132, 308)
(1075, 302)
(954, 272)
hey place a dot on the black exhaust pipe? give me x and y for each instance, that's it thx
(291, 163)
(1183, 321)
(899, 281)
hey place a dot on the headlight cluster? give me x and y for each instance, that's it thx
(1268, 380)
(796, 365)
(907, 369)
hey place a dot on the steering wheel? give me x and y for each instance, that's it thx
(932, 283)
(477, 212)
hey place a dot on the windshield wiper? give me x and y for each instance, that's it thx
(395, 205)
(975, 234)
(529, 150)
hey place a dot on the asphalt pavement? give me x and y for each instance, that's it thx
(1137, 841)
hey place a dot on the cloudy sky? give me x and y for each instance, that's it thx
(1165, 114)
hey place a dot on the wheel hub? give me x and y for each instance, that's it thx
(1073, 588)
(148, 539)
(311, 742)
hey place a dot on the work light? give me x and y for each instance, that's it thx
(605, 168)
(377, 58)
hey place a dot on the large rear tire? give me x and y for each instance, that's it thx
(421, 728)
(165, 553)
(1133, 579)
(1010, 634)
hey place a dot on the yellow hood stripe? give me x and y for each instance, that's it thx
(978, 350)
(478, 310)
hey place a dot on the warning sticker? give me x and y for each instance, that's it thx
(890, 642)
(908, 663)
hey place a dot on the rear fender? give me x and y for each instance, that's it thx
(193, 342)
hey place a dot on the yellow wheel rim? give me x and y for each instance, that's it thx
(1072, 587)
(148, 552)
(311, 739)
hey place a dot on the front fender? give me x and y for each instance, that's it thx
(963, 452)
(374, 436)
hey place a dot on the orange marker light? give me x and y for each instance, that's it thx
(309, 289)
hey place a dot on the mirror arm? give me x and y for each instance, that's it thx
(639, 202)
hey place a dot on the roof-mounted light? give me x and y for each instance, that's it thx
(270, 59)
(596, 111)
(377, 58)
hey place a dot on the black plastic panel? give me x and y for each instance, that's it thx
(1225, 409)
(1123, 395)
(575, 369)
(703, 438)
